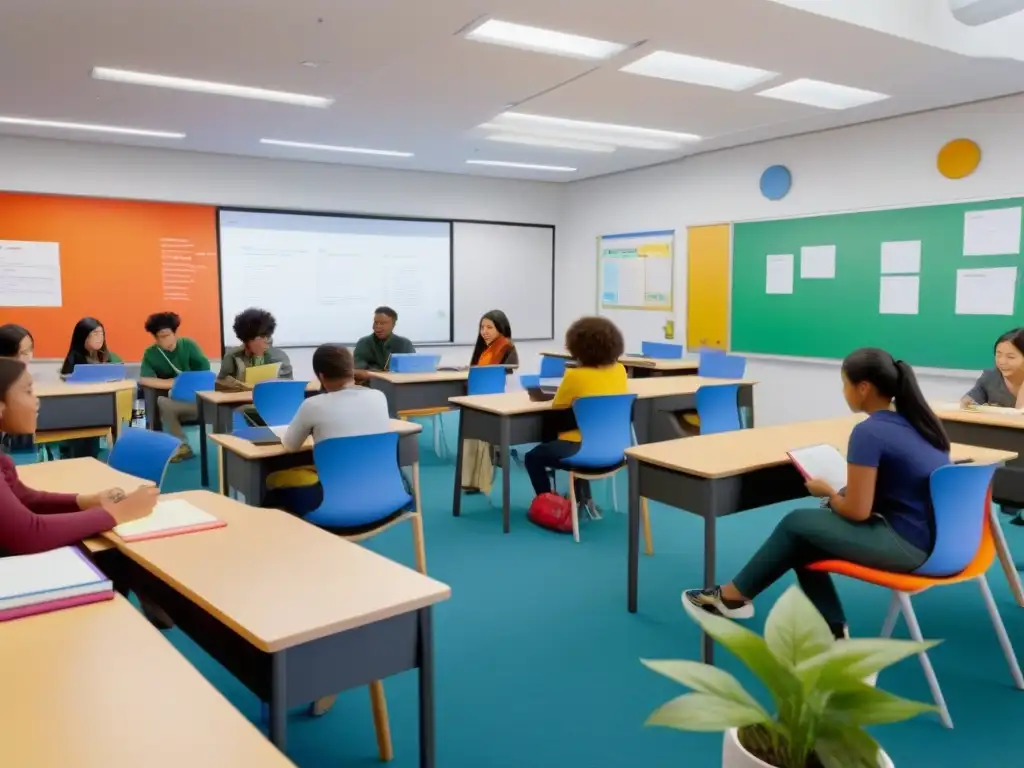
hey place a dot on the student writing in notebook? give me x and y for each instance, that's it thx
(169, 356)
(883, 520)
(88, 347)
(373, 352)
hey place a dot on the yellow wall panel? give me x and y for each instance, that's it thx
(707, 286)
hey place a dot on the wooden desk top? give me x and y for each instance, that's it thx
(418, 378)
(514, 403)
(636, 361)
(249, 450)
(243, 398)
(982, 417)
(63, 389)
(96, 686)
(735, 453)
(277, 580)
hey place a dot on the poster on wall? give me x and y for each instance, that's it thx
(635, 271)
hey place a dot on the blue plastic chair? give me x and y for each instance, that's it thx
(718, 365)
(605, 423)
(552, 367)
(278, 401)
(95, 373)
(486, 380)
(660, 350)
(143, 453)
(188, 383)
(718, 408)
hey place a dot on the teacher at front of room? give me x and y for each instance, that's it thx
(373, 352)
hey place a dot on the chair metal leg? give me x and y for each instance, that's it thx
(419, 543)
(575, 510)
(929, 672)
(998, 626)
(381, 724)
(615, 493)
(891, 616)
(645, 519)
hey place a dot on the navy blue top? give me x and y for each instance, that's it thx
(905, 462)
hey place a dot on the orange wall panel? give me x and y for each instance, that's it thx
(121, 260)
(707, 286)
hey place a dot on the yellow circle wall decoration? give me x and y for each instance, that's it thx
(959, 159)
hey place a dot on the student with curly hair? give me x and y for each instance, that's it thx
(169, 356)
(255, 329)
(596, 344)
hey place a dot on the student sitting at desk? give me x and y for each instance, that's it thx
(88, 347)
(255, 329)
(169, 356)
(16, 343)
(883, 519)
(373, 352)
(493, 347)
(341, 410)
(596, 344)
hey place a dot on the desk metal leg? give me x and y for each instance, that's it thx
(633, 546)
(506, 480)
(457, 489)
(1005, 557)
(426, 664)
(204, 472)
(710, 529)
(278, 710)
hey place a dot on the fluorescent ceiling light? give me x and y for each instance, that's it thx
(91, 127)
(817, 93)
(582, 130)
(333, 148)
(205, 86)
(544, 40)
(529, 166)
(698, 71)
(555, 143)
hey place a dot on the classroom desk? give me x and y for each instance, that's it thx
(413, 391)
(96, 686)
(294, 612)
(218, 410)
(640, 367)
(152, 388)
(513, 419)
(245, 466)
(718, 475)
(76, 406)
(992, 430)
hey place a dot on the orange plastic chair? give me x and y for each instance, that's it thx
(957, 525)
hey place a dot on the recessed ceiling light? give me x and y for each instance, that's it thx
(698, 71)
(545, 141)
(311, 64)
(334, 148)
(818, 93)
(91, 127)
(582, 130)
(205, 86)
(528, 166)
(543, 40)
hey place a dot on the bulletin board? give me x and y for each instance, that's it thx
(65, 258)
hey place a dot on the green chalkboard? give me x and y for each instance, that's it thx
(829, 318)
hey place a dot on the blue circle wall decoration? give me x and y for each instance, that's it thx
(776, 182)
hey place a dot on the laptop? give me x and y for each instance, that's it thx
(539, 394)
(258, 435)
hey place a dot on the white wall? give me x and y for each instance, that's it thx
(885, 164)
(101, 170)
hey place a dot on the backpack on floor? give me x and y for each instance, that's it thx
(551, 511)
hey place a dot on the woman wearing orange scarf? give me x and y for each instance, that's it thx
(493, 347)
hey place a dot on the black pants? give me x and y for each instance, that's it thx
(806, 536)
(548, 456)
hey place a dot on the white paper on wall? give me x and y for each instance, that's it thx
(818, 262)
(779, 273)
(901, 257)
(994, 232)
(899, 295)
(988, 291)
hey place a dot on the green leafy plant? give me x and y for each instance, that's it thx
(816, 683)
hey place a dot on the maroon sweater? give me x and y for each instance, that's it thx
(34, 521)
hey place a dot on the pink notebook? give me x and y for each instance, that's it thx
(55, 605)
(170, 517)
(164, 533)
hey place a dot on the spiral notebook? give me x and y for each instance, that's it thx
(170, 517)
(49, 581)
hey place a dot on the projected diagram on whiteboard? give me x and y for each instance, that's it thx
(635, 270)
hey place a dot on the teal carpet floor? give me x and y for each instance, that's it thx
(537, 658)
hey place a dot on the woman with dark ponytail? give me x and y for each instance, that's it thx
(882, 519)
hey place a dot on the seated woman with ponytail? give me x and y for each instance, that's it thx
(882, 519)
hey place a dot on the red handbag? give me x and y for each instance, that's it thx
(551, 511)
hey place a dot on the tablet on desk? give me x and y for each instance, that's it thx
(258, 435)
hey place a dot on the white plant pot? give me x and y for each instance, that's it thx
(735, 756)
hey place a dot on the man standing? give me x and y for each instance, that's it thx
(373, 352)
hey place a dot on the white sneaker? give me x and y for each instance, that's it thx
(711, 600)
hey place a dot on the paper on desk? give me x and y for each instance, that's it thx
(167, 515)
(898, 295)
(901, 257)
(45, 572)
(778, 273)
(988, 291)
(993, 232)
(947, 406)
(821, 462)
(818, 261)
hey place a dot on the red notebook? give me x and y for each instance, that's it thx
(49, 581)
(170, 517)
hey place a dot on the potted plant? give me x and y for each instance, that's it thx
(817, 684)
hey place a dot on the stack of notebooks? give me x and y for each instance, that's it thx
(49, 581)
(170, 517)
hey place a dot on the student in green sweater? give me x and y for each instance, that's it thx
(373, 352)
(171, 355)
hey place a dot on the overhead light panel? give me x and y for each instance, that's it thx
(817, 93)
(334, 148)
(553, 143)
(544, 40)
(91, 127)
(210, 87)
(527, 166)
(698, 71)
(586, 131)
